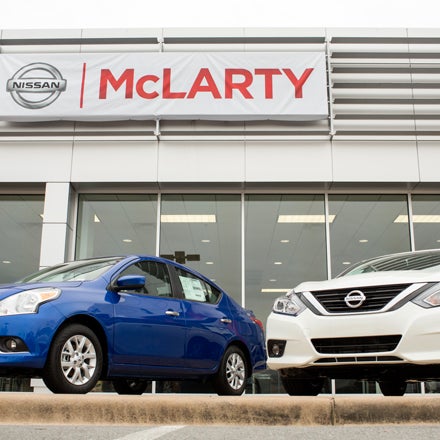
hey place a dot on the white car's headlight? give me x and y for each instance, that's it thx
(289, 304)
(27, 301)
(430, 297)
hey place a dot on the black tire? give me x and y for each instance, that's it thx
(302, 387)
(130, 386)
(232, 375)
(75, 360)
(392, 387)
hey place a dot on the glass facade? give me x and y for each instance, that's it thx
(256, 246)
(284, 245)
(204, 232)
(116, 224)
(21, 220)
(426, 221)
(364, 226)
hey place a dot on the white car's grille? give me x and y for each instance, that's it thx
(356, 345)
(376, 298)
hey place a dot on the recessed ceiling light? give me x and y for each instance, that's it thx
(363, 240)
(346, 263)
(273, 280)
(274, 290)
(127, 240)
(96, 219)
(188, 218)
(6, 262)
(284, 241)
(210, 262)
(206, 241)
(422, 218)
(309, 218)
(278, 262)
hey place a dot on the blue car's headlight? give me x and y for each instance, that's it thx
(27, 301)
(289, 304)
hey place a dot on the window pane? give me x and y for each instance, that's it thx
(20, 235)
(116, 224)
(285, 245)
(366, 226)
(203, 232)
(426, 221)
(157, 280)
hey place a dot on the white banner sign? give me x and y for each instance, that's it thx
(217, 86)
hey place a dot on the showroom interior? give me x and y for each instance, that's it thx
(258, 205)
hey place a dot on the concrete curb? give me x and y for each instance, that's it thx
(30, 408)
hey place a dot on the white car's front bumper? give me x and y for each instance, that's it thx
(419, 344)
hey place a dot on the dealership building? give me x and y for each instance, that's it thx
(259, 157)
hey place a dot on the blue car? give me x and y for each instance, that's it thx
(128, 320)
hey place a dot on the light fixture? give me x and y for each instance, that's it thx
(278, 263)
(346, 263)
(273, 280)
(305, 218)
(363, 240)
(209, 262)
(421, 218)
(127, 240)
(205, 241)
(188, 218)
(284, 241)
(96, 219)
(6, 262)
(274, 290)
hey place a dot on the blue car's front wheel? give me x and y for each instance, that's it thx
(75, 361)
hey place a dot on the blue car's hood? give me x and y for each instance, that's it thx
(10, 289)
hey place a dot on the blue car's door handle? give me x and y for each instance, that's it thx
(226, 320)
(172, 313)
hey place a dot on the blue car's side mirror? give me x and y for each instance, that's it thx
(129, 282)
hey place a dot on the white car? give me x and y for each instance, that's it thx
(379, 320)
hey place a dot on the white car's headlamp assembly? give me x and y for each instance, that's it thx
(429, 298)
(27, 301)
(290, 304)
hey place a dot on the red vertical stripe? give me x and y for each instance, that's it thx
(83, 81)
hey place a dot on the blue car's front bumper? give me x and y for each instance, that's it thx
(36, 330)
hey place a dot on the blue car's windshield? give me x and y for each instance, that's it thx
(416, 261)
(85, 270)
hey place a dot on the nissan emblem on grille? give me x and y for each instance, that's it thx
(355, 299)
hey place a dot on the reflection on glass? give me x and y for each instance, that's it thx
(426, 222)
(204, 232)
(285, 245)
(116, 225)
(366, 226)
(20, 235)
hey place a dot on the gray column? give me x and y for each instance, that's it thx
(57, 231)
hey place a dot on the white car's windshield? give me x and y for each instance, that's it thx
(85, 270)
(427, 261)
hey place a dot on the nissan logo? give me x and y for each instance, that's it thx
(36, 85)
(355, 299)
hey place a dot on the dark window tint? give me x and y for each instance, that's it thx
(157, 280)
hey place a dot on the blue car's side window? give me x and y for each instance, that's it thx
(196, 289)
(157, 279)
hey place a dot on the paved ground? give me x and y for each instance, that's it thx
(185, 409)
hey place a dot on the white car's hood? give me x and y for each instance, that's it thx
(371, 279)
